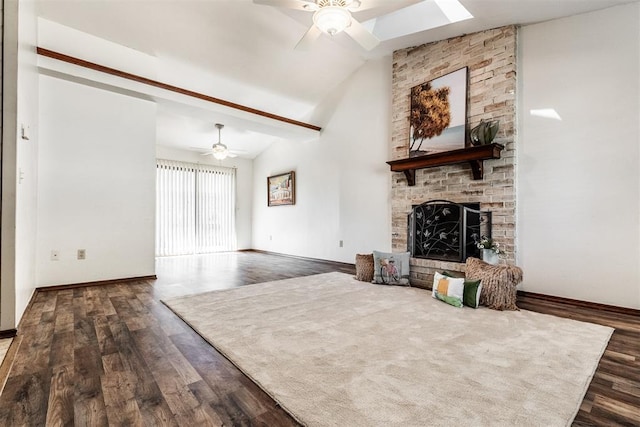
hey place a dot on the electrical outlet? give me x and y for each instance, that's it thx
(270, 237)
(55, 255)
(341, 243)
(82, 254)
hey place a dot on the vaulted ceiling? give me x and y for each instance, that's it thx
(244, 52)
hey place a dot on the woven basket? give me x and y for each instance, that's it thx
(364, 267)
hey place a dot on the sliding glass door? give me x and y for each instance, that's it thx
(195, 208)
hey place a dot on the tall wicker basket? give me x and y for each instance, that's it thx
(364, 267)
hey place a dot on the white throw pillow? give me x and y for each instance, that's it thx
(448, 289)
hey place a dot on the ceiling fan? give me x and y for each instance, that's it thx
(219, 150)
(332, 17)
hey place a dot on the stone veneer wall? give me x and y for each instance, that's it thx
(491, 59)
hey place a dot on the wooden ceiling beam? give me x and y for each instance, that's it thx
(144, 80)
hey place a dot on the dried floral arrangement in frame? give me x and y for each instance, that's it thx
(281, 189)
(438, 115)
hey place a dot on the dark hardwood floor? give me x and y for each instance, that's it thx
(115, 355)
(613, 398)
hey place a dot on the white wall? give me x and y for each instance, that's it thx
(27, 158)
(342, 181)
(244, 185)
(19, 180)
(9, 165)
(96, 184)
(578, 178)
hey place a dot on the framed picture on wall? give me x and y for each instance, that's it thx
(438, 114)
(281, 189)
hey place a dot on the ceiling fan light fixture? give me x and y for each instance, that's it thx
(332, 19)
(220, 151)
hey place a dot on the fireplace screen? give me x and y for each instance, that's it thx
(443, 230)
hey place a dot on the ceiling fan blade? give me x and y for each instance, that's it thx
(362, 5)
(232, 155)
(307, 40)
(209, 153)
(289, 4)
(361, 35)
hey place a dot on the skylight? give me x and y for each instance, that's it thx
(422, 16)
(453, 10)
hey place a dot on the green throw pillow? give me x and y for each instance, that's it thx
(471, 293)
(471, 297)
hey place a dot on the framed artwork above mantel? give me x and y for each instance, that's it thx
(438, 115)
(281, 189)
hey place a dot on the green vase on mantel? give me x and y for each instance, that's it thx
(485, 132)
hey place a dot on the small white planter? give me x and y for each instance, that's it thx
(489, 256)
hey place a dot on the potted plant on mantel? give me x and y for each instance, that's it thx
(485, 132)
(490, 250)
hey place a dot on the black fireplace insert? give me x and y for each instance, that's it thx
(447, 231)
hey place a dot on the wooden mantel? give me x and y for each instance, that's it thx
(473, 155)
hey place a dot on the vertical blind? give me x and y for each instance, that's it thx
(195, 208)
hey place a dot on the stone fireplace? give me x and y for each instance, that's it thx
(491, 59)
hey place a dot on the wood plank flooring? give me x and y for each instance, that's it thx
(115, 355)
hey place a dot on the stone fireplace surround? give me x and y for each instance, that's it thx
(491, 58)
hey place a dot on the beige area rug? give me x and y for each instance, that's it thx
(337, 352)
(4, 347)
